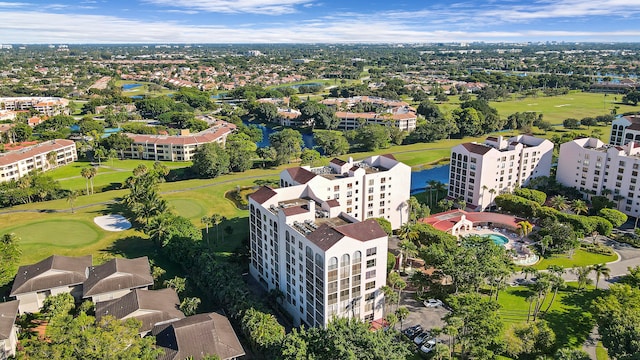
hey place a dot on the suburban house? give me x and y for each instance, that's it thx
(198, 336)
(18, 163)
(151, 307)
(8, 329)
(176, 147)
(116, 278)
(51, 276)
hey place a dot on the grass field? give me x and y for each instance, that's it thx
(141, 90)
(568, 316)
(579, 258)
(601, 352)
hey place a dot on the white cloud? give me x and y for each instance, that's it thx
(266, 7)
(43, 27)
(4, 4)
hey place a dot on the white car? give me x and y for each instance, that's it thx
(421, 338)
(428, 346)
(432, 303)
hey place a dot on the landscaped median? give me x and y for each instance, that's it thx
(579, 258)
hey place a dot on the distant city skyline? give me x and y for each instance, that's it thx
(322, 21)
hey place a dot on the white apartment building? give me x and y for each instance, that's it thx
(403, 120)
(326, 263)
(479, 172)
(178, 147)
(49, 106)
(378, 186)
(18, 163)
(592, 166)
(625, 129)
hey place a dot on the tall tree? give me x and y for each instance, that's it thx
(10, 253)
(601, 270)
(288, 145)
(210, 161)
(618, 319)
(71, 198)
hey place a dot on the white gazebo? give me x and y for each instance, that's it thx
(461, 226)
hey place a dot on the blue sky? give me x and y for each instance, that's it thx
(321, 21)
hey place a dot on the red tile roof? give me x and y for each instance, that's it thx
(28, 153)
(477, 148)
(446, 220)
(300, 175)
(203, 137)
(263, 194)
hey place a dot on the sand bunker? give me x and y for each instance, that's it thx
(112, 222)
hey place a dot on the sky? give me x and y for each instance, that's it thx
(317, 21)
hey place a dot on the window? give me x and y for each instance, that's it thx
(370, 181)
(371, 274)
(371, 251)
(370, 285)
(336, 188)
(371, 263)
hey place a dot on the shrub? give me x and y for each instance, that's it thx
(531, 194)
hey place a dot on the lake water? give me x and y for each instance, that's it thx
(308, 140)
(126, 87)
(420, 178)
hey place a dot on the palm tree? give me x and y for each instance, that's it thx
(559, 203)
(530, 300)
(492, 192)
(484, 188)
(528, 270)
(216, 219)
(579, 206)
(206, 220)
(402, 313)
(390, 296)
(85, 173)
(177, 283)
(557, 283)
(605, 192)
(582, 273)
(617, 198)
(52, 159)
(601, 270)
(98, 153)
(431, 184)
(407, 249)
(440, 188)
(92, 173)
(189, 305)
(524, 228)
(71, 197)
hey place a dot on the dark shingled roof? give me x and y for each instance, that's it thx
(8, 313)
(476, 148)
(68, 271)
(634, 126)
(295, 210)
(198, 336)
(156, 306)
(301, 175)
(326, 236)
(118, 274)
(263, 194)
(338, 162)
(389, 156)
(363, 231)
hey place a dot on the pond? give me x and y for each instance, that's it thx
(308, 140)
(420, 178)
(126, 87)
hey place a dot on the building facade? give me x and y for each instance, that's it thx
(596, 168)
(176, 148)
(378, 186)
(625, 129)
(49, 106)
(326, 263)
(18, 163)
(479, 172)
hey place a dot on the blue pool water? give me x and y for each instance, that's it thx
(126, 87)
(498, 239)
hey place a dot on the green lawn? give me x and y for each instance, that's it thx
(569, 315)
(601, 352)
(141, 90)
(579, 258)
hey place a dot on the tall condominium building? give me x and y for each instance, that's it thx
(49, 106)
(312, 237)
(479, 172)
(625, 129)
(326, 263)
(378, 186)
(18, 163)
(596, 168)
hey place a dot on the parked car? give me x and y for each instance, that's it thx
(413, 331)
(432, 303)
(428, 346)
(422, 338)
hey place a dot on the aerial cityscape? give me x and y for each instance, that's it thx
(291, 179)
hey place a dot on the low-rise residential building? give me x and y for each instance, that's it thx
(479, 172)
(8, 329)
(48, 106)
(625, 129)
(403, 120)
(18, 163)
(51, 276)
(596, 168)
(151, 307)
(177, 147)
(197, 336)
(378, 186)
(116, 278)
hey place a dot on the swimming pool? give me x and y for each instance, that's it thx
(498, 239)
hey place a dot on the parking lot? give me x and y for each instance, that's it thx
(429, 318)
